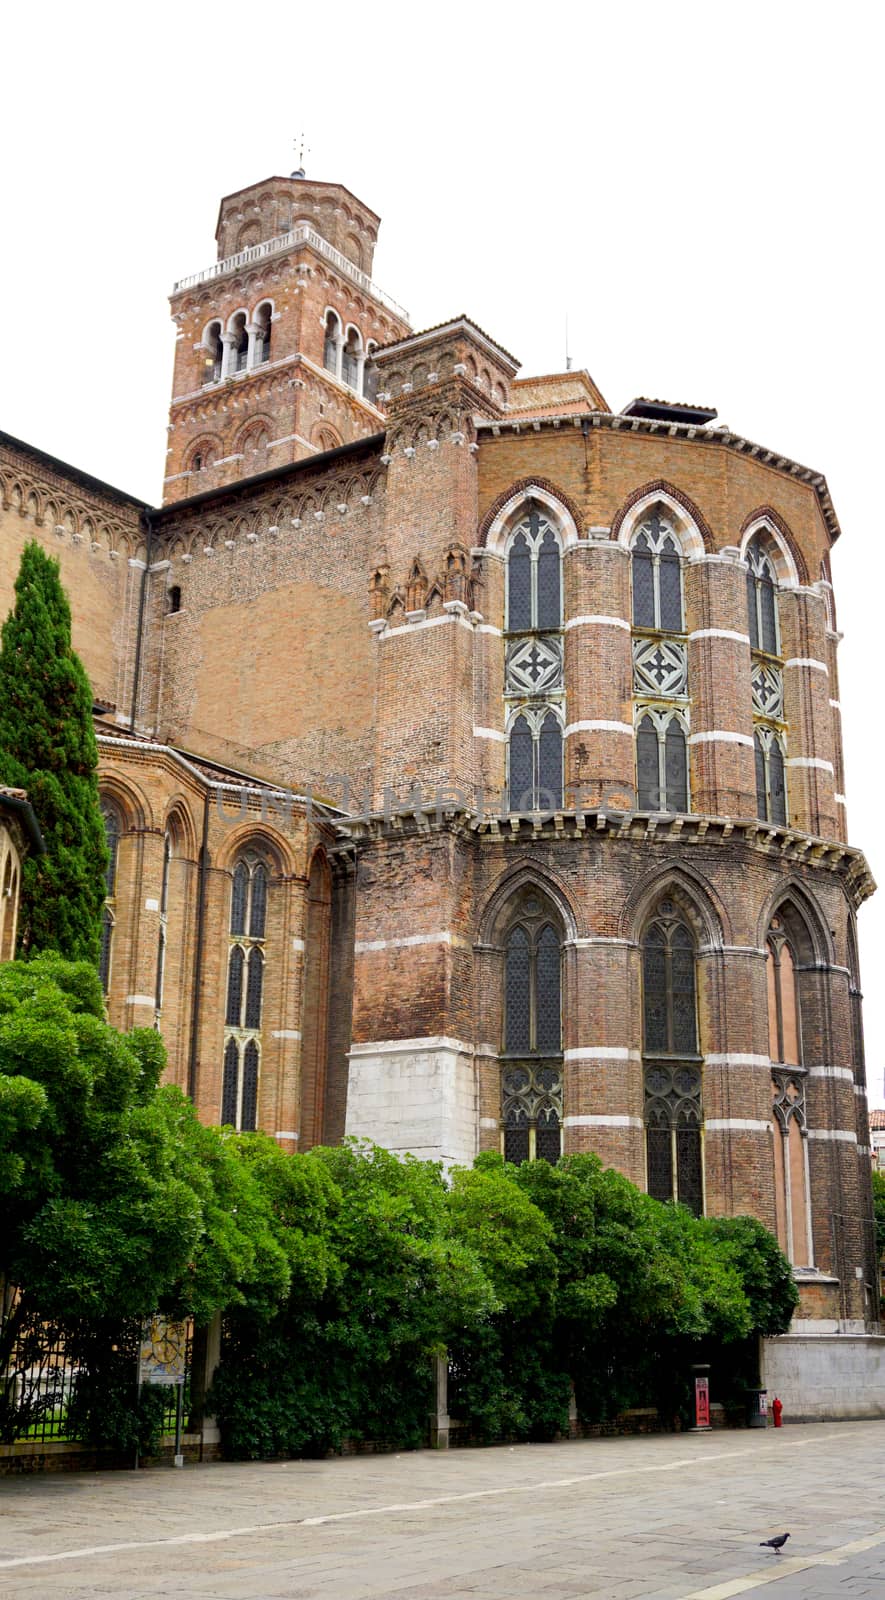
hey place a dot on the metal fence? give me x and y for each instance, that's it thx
(39, 1372)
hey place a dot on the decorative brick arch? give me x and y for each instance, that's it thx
(779, 526)
(526, 874)
(524, 486)
(662, 487)
(692, 891)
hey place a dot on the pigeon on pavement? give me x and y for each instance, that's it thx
(777, 1543)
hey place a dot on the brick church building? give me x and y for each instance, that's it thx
(472, 764)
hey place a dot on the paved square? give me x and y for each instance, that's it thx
(669, 1518)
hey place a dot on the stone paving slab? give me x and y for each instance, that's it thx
(654, 1518)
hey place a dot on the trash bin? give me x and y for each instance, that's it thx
(757, 1408)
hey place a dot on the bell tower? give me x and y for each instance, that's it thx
(274, 355)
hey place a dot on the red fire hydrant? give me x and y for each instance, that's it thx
(777, 1407)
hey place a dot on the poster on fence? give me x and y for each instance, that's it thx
(162, 1356)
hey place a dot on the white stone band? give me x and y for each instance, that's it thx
(602, 1121)
(601, 1052)
(597, 622)
(443, 937)
(737, 1060)
(720, 736)
(841, 1134)
(736, 1125)
(489, 733)
(808, 661)
(809, 761)
(719, 633)
(599, 726)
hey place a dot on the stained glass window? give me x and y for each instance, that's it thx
(689, 1180)
(771, 789)
(234, 987)
(534, 576)
(550, 762)
(531, 1086)
(767, 615)
(672, 1086)
(253, 989)
(675, 767)
(668, 970)
(239, 893)
(751, 612)
(521, 751)
(516, 1138)
(777, 786)
(661, 763)
(519, 585)
(112, 835)
(656, 569)
(648, 776)
(659, 1156)
(250, 1087)
(548, 1137)
(258, 905)
(549, 568)
(230, 1084)
(761, 599)
(643, 584)
(548, 995)
(245, 983)
(517, 991)
(670, 579)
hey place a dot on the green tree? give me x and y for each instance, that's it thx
(47, 746)
(116, 1201)
(879, 1211)
(348, 1354)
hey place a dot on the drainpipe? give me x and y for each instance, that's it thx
(148, 524)
(202, 874)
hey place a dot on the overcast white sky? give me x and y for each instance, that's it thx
(697, 187)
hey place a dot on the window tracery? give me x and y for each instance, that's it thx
(661, 760)
(788, 1110)
(533, 672)
(245, 988)
(767, 685)
(531, 1072)
(671, 1062)
(660, 666)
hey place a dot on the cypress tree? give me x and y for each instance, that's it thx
(47, 746)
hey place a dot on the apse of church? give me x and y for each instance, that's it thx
(475, 775)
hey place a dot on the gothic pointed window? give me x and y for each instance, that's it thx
(531, 1074)
(245, 993)
(789, 1114)
(660, 667)
(771, 790)
(657, 575)
(661, 762)
(769, 732)
(533, 672)
(112, 830)
(762, 599)
(671, 1061)
(534, 751)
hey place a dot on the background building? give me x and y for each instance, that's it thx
(472, 763)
